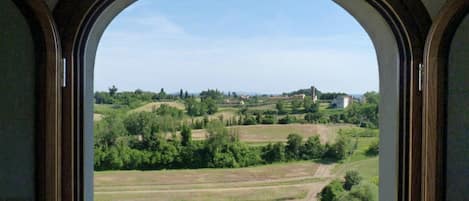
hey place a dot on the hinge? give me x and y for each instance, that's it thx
(421, 67)
(64, 72)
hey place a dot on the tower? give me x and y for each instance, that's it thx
(313, 94)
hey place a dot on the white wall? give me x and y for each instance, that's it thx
(388, 61)
(17, 105)
(458, 116)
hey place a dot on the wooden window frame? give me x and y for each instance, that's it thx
(434, 128)
(48, 94)
(59, 158)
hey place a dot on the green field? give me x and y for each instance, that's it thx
(278, 133)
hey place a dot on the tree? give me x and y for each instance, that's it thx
(312, 149)
(341, 149)
(372, 97)
(273, 152)
(186, 135)
(112, 90)
(162, 94)
(352, 178)
(295, 105)
(181, 94)
(211, 105)
(280, 107)
(138, 92)
(307, 102)
(292, 149)
(108, 130)
(315, 117)
(332, 191)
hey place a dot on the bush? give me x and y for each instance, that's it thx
(287, 120)
(273, 152)
(352, 178)
(361, 192)
(250, 120)
(373, 149)
(332, 191)
(312, 149)
(268, 119)
(341, 149)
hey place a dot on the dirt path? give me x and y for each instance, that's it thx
(323, 171)
(205, 185)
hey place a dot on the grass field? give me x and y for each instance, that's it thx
(155, 105)
(279, 133)
(290, 181)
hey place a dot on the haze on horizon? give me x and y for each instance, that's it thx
(265, 47)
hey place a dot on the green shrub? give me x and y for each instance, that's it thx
(332, 191)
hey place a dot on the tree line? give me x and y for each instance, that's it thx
(160, 140)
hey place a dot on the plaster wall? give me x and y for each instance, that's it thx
(17, 105)
(457, 169)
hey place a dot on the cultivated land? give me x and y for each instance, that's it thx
(278, 133)
(288, 181)
(273, 182)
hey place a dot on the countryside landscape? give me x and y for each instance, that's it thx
(218, 145)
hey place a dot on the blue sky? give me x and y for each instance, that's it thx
(263, 46)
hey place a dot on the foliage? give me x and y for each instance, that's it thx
(296, 105)
(212, 94)
(287, 120)
(294, 144)
(186, 135)
(312, 148)
(332, 191)
(280, 106)
(372, 97)
(352, 178)
(317, 117)
(341, 149)
(361, 192)
(204, 107)
(274, 152)
(373, 149)
(330, 96)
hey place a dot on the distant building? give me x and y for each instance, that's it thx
(314, 95)
(245, 97)
(299, 96)
(342, 101)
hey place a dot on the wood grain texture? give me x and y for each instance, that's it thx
(48, 62)
(435, 94)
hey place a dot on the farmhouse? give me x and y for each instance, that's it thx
(342, 102)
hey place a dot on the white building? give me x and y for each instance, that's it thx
(342, 101)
